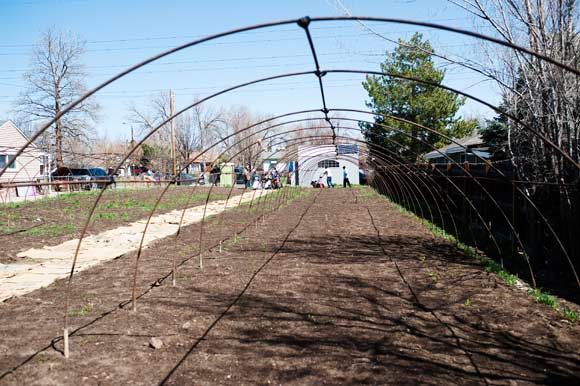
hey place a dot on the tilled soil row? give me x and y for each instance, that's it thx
(30, 351)
(337, 288)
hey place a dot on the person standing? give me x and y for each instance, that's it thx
(329, 183)
(215, 175)
(345, 180)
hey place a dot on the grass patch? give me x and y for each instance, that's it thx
(52, 230)
(106, 215)
(112, 205)
(11, 205)
(367, 193)
(5, 228)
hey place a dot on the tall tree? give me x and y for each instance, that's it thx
(424, 104)
(195, 129)
(55, 80)
(208, 124)
(248, 146)
(538, 93)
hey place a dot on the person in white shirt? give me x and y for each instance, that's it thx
(345, 180)
(257, 184)
(328, 174)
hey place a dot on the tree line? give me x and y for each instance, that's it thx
(534, 93)
(57, 77)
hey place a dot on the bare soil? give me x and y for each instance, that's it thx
(333, 288)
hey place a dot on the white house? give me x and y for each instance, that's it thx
(29, 166)
(313, 160)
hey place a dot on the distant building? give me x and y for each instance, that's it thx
(31, 165)
(200, 160)
(276, 158)
(313, 160)
(473, 146)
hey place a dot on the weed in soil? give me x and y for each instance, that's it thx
(543, 297)
(490, 265)
(571, 315)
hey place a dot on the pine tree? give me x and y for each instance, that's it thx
(424, 104)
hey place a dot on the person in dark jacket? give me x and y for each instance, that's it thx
(215, 175)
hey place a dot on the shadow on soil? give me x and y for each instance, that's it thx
(366, 327)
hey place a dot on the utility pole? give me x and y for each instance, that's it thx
(173, 152)
(132, 161)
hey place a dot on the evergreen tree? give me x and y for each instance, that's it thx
(424, 104)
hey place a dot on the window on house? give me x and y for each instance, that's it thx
(328, 163)
(5, 158)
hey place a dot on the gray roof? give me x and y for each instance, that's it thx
(473, 140)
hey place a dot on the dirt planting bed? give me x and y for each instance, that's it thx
(51, 221)
(337, 287)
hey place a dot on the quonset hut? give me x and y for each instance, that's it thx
(313, 160)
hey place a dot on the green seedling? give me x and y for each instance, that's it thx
(106, 215)
(433, 276)
(572, 316)
(30, 260)
(83, 311)
(42, 357)
(492, 266)
(543, 297)
(311, 318)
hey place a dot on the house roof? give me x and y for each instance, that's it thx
(466, 142)
(11, 141)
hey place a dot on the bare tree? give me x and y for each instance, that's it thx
(55, 80)
(540, 94)
(209, 123)
(194, 130)
(148, 118)
(248, 146)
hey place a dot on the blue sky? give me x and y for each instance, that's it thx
(121, 33)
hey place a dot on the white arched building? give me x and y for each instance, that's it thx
(314, 159)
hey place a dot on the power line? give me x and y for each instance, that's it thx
(259, 32)
(215, 43)
(237, 59)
